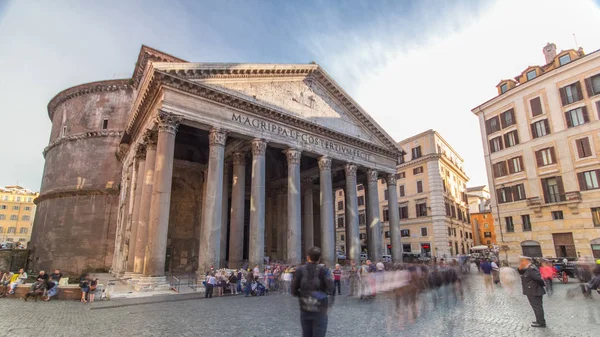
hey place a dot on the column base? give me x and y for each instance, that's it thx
(149, 283)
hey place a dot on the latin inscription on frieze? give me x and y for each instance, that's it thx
(298, 136)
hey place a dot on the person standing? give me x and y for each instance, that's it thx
(533, 288)
(233, 283)
(548, 272)
(211, 282)
(312, 284)
(337, 279)
(249, 280)
(486, 267)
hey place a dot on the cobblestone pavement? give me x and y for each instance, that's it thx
(479, 314)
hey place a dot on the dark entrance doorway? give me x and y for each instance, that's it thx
(531, 248)
(564, 245)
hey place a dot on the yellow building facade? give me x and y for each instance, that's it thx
(432, 201)
(541, 143)
(17, 212)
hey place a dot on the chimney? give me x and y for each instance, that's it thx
(550, 52)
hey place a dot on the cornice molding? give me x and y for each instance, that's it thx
(149, 54)
(80, 136)
(84, 89)
(65, 193)
(160, 79)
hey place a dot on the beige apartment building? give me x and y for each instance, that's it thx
(17, 211)
(541, 142)
(432, 201)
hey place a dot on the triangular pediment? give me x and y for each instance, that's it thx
(304, 91)
(302, 98)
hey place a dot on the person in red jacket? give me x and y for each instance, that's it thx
(548, 272)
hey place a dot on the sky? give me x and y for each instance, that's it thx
(412, 65)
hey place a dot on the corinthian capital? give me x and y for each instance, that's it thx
(372, 175)
(217, 137)
(167, 122)
(149, 139)
(140, 150)
(293, 156)
(259, 147)
(325, 163)
(390, 179)
(239, 158)
(350, 170)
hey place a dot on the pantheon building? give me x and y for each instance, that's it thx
(186, 165)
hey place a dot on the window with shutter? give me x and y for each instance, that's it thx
(571, 93)
(545, 156)
(419, 186)
(418, 170)
(515, 165)
(526, 223)
(496, 144)
(492, 125)
(402, 192)
(592, 84)
(416, 152)
(577, 117)
(507, 118)
(588, 180)
(499, 169)
(518, 192)
(540, 128)
(583, 147)
(536, 107)
(511, 139)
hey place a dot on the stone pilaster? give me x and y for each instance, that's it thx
(238, 197)
(294, 207)
(373, 219)
(394, 218)
(141, 237)
(308, 236)
(161, 195)
(257, 204)
(327, 220)
(210, 230)
(352, 229)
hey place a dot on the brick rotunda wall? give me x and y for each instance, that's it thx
(75, 223)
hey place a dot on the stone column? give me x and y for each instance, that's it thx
(327, 221)
(140, 158)
(352, 230)
(161, 195)
(373, 219)
(224, 210)
(147, 174)
(308, 236)
(281, 223)
(294, 207)
(210, 230)
(394, 218)
(238, 196)
(256, 250)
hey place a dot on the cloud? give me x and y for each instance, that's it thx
(413, 65)
(434, 78)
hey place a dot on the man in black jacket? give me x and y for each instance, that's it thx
(313, 285)
(533, 288)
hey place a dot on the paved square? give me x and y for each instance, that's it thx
(479, 314)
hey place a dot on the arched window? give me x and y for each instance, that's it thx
(531, 248)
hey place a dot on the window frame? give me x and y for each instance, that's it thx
(583, 147)
(560, 59)
(526, 221)
(580, 112)
(509, 225)
(557, 215)
(529, 72)
(426, 232)
(419, 186)
(586, 180)
(540, 128)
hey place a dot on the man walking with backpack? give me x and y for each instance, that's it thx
(313, 285)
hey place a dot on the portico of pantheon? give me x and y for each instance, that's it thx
(222, 164)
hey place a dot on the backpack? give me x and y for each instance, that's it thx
(311, 297)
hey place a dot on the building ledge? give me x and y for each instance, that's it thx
(571, 200)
